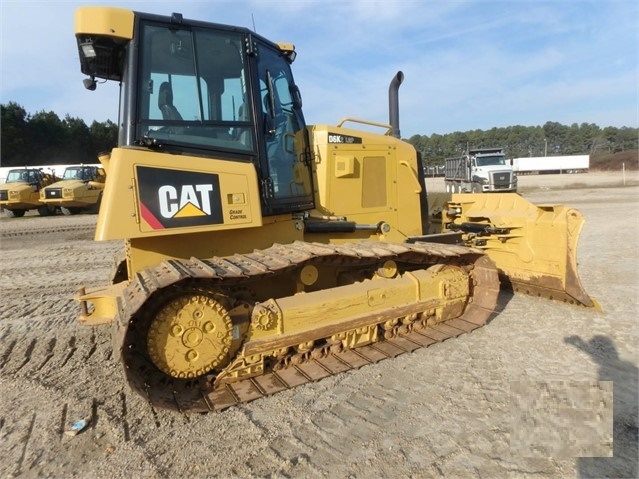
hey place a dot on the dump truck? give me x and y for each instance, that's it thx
(481, 170)
(80, 189)
(261, 253)
(21, 192)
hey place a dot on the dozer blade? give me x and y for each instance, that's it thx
(533, 246)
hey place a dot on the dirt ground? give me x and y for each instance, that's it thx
(525, 396)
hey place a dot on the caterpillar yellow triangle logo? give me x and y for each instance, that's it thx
(188, 211)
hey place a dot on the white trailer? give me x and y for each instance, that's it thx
(551, 164)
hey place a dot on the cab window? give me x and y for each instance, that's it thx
(193, 90)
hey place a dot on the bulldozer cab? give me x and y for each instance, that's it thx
(206, 90)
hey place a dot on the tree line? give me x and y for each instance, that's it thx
(45, 139)
(551, 139)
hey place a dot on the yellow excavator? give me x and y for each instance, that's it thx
(261, 253)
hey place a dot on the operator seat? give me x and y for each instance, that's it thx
(165, 103)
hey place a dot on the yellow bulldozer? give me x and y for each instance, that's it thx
(261, 253)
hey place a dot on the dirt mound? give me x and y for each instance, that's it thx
(616, 161)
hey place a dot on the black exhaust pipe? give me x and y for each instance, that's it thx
(393, 103)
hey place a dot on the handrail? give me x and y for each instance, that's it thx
(389, 128)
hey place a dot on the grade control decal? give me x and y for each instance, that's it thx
(178, 199)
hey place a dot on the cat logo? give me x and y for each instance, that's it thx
(194, 200)
(178, 199)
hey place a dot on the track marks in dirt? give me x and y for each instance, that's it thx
(51, 361)
(6, 353)
(25, 444)
(307, 447)
(70, 351)
(125, 414)
(38, 438)
(346, 423)
(75, 230)
(27, 355)
(284, 456)
(125, 420)
(33, 438)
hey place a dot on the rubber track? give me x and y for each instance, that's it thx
(198, 395)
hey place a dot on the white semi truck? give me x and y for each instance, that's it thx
(551, 164)
(480, 171)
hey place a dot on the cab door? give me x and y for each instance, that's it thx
(285, 153)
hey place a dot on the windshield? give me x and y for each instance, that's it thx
(78, 173)
(490, 160)
(16, 176)
(193, 89)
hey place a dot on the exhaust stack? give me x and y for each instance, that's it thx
(393, 103)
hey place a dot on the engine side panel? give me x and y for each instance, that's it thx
(151, 194)
(367, 178)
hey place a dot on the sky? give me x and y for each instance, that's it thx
(471, 64)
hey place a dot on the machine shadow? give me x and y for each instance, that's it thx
(503, 298)
(624, 376)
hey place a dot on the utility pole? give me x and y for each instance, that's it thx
(545, 147)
